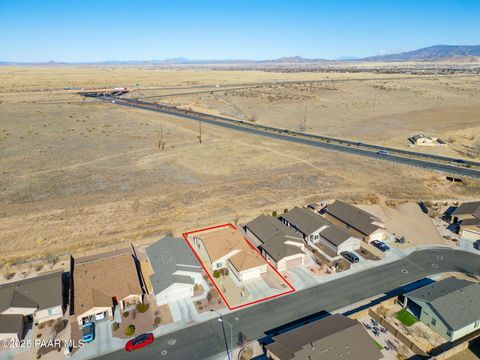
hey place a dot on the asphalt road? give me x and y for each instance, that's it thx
(205, 340)
(410, 158)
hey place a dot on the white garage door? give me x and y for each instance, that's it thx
(346, 247)
(250, 274)
(294, 262)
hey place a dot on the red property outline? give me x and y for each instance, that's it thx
(292, 289)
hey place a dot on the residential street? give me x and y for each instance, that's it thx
(205, 340)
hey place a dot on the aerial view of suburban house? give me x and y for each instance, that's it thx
(36, 299)
(356, 221)
(331, 338)
(314, 229)
(450, 307)
(100, 286)
(279, 244)
(175, 270)
(468, 217)
(226, 248)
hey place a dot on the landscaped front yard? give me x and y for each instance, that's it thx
(143, 319)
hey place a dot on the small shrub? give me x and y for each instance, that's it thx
(216, 274)
(59, 325)
(39, 267)
(274, 213)
(157, 320)
(125, 314)
(142, 307)
(9, 275)
(41, 325)
(130, 330)
(39, 335)
(115, 326)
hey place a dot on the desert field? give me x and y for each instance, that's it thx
(384, 112)
(83, 176)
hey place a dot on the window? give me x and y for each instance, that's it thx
(434, 322)
(219, 265)
(51, 312)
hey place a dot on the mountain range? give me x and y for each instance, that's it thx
(436, 53)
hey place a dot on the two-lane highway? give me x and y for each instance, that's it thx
(204, 340)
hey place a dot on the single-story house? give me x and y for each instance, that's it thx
(37, 299)
(102, 284)
(314, 229)
(450, 307)
(331, 338)
(468, 217)
(356, 221)
(175, 270)
(279, 244)
(225, 247)
(423, 140)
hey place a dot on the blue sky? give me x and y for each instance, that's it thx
(87, 30)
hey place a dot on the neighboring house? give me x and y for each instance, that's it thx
(356, 221)
(423, 140)
(226, 248)
(450, 307)
(11, 327)
(102, 284)
(468, 217)
(175, 269)
(279, 244)
(331, 338)
(37, 299)
(314, 229)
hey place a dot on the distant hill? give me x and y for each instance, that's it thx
(291, 60)
(452, 53)
(460, 53)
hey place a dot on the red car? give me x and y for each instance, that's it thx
(139, 342)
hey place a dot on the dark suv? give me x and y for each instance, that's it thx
(351, 257)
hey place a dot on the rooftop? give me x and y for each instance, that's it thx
(222, 241)
(274, 236)
(305, 220)
(11, 323)
(168, 256)
(468, 208)
(357, 218)
(335, 235)
(455, 300)
(97, 282)
(330, 338)
(41, 292)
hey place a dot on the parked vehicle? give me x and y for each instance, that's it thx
(88, 332)
(351, 257)
(383, 152)
(139, 342)
(380, 245)
(476, 244)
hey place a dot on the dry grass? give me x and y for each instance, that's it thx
(83, 176)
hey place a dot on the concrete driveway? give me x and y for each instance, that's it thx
(103, 343)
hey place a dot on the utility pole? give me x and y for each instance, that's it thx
(200, 131)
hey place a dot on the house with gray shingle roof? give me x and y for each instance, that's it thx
(331, 338)
(314, 229)
(39, 298)
(175, 269)
(355, 221)
(279, 244)
(468, 216)
(450, 307)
